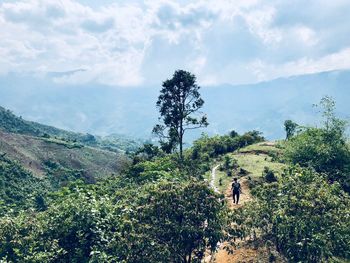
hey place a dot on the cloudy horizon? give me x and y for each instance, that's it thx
(139, 43)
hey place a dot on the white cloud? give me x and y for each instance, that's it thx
(134, 43)
(306, 35)
(339, 60)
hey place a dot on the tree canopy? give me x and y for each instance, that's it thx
(179, 103)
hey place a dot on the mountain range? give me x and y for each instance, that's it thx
(103, 110)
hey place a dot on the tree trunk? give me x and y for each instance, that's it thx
(181, 133)
(181, 154)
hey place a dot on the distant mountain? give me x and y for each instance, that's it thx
(9, 122)
(103, 110)
(35, 158)
(265, 106)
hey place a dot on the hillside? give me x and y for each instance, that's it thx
(59, 156)
(34, 153)
(19, 186)
(11, 123)
(252, 159)
(155, 210)
(36, 159)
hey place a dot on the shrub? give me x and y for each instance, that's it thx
(305, 216)
(269, 175)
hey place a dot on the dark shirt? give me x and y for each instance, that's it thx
(236, 187)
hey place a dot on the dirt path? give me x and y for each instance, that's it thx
(242, 254)
(244, 197)
(213, 178)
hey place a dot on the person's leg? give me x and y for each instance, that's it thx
(233, 196)
(237, 197)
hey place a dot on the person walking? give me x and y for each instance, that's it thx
(236, 191)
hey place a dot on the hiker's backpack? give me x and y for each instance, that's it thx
(236, 187)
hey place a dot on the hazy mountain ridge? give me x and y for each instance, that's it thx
(104, 110)
(9, 122)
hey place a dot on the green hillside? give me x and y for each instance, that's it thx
(35, 153)
(249, 161)
(37, 159)
(32, 167)
(11, 123)
(60, 203)
(19, 187)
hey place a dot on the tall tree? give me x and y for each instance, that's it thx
(179, 103)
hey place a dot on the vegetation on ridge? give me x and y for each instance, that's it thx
(160, 208)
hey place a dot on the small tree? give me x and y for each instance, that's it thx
(233, 134)
(290, 128)
(227, 163)
(178, 102)
(171, 216)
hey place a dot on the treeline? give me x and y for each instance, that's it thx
(211, 147)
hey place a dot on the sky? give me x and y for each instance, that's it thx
(128, 43)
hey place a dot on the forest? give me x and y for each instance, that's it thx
(164, 203)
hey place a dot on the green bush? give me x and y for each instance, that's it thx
(324, 149)
(305, 216)
(159, 222)
(18, 187)
(269, 175)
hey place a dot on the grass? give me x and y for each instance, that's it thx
(225, 180)
(254, 159)
(271, 149)
(255, 164)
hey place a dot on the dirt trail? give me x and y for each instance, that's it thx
(213, 178)
(242, 254)
(244, 197)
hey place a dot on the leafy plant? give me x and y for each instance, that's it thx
(304, 215)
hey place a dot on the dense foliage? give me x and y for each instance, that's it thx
(167, 221)
(303, 215)
(325, 149)
(211, 147)
(18, 187)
